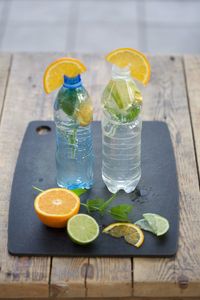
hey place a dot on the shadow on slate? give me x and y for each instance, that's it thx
(157, 192)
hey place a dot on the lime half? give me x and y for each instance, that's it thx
(159, 224)
(82, 229)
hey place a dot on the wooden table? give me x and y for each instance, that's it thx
(173, 96)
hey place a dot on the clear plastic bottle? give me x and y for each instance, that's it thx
(74, 151)
(121, 132)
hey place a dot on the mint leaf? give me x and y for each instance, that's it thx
(121, 212)
(94, 204)
(67, 100)
(98, 204)
(107, 203)
(79, 192)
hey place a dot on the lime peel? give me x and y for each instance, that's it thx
(143, 224)
(154, 223)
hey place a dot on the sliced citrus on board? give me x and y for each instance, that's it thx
(135, 60)
(55, 206)
(53, 76)
(131, 233)
(159, 224)
(82, 229)
(84, 113)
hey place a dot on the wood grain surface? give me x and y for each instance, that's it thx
(165, 98)
(192, 74)
(23, 276)
(68, 277)
(109, 277)
(5, 64)
(121, 298)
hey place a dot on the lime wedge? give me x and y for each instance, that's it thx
(82, 229)
(159, 224)
(143, 224)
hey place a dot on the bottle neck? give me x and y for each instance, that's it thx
(121, 73)
(72, 82)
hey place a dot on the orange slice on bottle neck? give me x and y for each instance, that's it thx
(135, 60)
(53, 76)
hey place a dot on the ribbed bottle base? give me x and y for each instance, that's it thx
(127, 185)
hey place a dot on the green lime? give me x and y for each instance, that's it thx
(143, 224)
(82, 229)
(159, 224)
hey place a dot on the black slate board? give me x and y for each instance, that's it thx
(157, 193)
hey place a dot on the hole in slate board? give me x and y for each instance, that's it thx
(41, 130)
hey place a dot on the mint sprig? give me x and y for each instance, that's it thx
(119, 212)
(93, 204)
(79, 192)
(37, 189)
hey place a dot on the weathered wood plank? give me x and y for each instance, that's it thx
(5, 62)
(106, 277)
(68, 277)
(109, 277)
(20, 277)
(192, 73)
(121, 298)
(103, 277)
(165, 99)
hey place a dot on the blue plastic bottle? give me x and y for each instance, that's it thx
(74, 151)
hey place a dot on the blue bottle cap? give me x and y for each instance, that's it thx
(72, 82)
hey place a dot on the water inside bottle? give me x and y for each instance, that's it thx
(121, 132)
(74, 153)
(74, 158)
(121, 154)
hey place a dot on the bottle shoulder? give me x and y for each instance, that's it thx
(70, 97)
(74, 105)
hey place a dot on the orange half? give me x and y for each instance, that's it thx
(53, 76)
(55, 206)
(137, 61)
